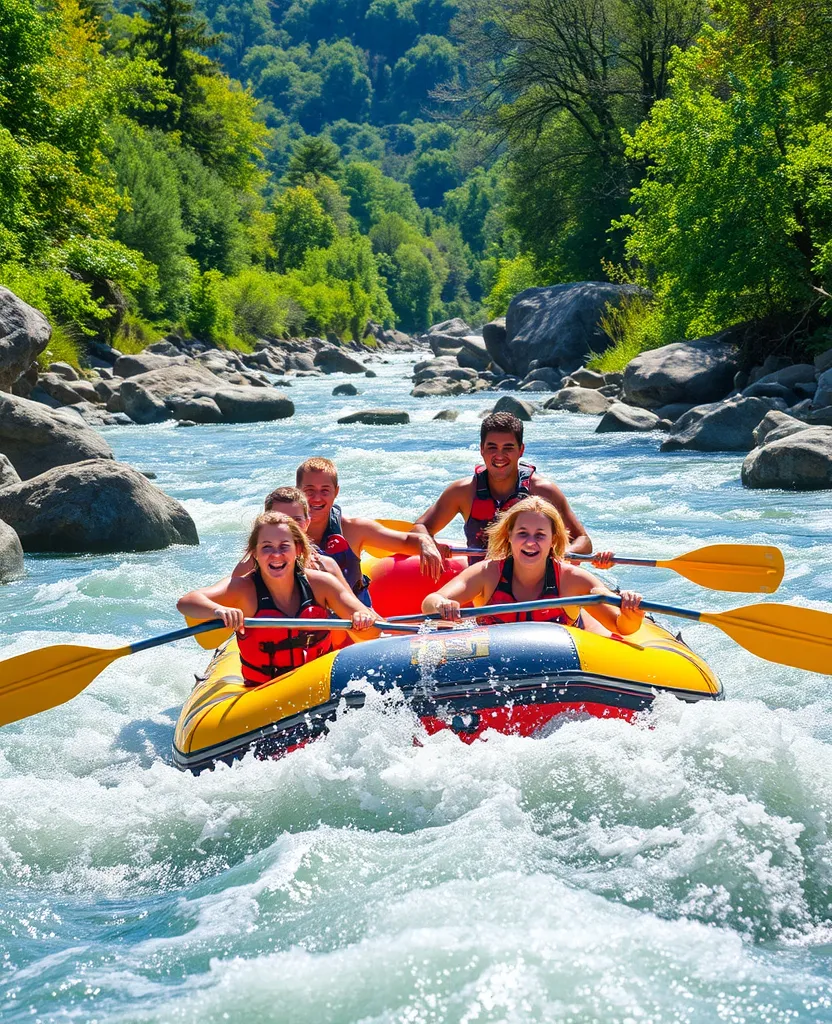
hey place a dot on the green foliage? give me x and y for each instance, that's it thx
(513, 276)
(631, 325)
(300, 224)
(315, 158)
(66, 302)
(210, 317)
(413, 288)
(259, 307)
(372, 195)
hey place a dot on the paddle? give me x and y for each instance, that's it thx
(736, 568)
(45, 678)
(782, 633)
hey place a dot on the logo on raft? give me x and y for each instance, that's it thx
(436, 650)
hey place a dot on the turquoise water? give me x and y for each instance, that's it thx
(676, 870)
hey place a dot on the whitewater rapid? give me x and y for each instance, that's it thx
(679, 869)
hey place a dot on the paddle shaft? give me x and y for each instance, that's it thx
(260, 623)
(582, 600)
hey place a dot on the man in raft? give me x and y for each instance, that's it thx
(525, 562)
(343, 537)
(281, 586)
(498, 484)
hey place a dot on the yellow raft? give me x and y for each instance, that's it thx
(513, 678)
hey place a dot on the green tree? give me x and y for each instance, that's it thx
(413, 289)
(176, 37)
(315, 158)
(300, 224)
(372, 194)
(431, 175)
(431, 63)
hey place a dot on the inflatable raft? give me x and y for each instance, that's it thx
(513, 678)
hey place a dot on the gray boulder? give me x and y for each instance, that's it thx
(36, 439)
(695, 371)
(585, 378)
(674, 410)
(536, 385)
(178, 381)
(801, 461)
(140, 403)
(63, 370)
(253, 405)
(345, 389)
(439, 386)
(621, 417)
(8, 474)
(197, 410)
(377, 417)
(821, 417)
(455, 328)
(800, 373)
(133, 365)
(558, 325)
(582, 400)
(823, 362)
(24, 334)
(11, 554)
(336, 360)
(522, 410)
(771, 389)
(447, 415)
(507, 384)
(299, 361)
(95, 506)
(548, 374)
(462, 373)
(774, 425)
(722, 426)
(823, 395)
(494, 337)
(473, 354)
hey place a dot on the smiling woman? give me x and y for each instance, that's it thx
(280, 585)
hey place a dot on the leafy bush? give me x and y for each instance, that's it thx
(210, 318)
(513, 276)
(631, 325)
(259, 307)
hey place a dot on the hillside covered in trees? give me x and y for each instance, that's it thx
(250, 168)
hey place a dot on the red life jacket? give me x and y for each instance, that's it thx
(484, 507)
(266, 654)
(505, 595)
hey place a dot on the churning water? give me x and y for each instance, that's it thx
(679, 869)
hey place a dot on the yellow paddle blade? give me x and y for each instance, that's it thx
(741, 568)
(211, 640)
(782, 633)
(43, 679)
(391, 524)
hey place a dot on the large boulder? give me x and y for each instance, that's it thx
(558, 325)
(691, 371)
(141, 404)
(253, 405)
(35, 439)
(722, 426)
(799, 462)
(178, 381)
(774, 425)
(823, 395)
(24, 334)
(439, 386)
(454, 328)
(197, 410)
(143, 362)
(8, 474)
(473, 354)
(377, 417)
(494, 337)
(68, 392)
(11, 554)
(336, 360)
(800, 373)
(345, 389)
(585, 378)
(96, 506)
(583, 400)
(516, 406)
(620, 417)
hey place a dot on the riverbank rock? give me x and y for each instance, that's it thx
(8, 474)
(439, 386)
(516, 406)
(197, 410)
(336, 360)
(345, 389)
(473, 354)
(447, 415)
(801, 461)
(143, 362)
(774, 425)
(377, 417)
(558, 325)
(35, 438)
(253, 405)
(11, 554)
(24, 334)
(691, 371)
(94, 506)
(621, 417)
(720, 427)
(588, 401)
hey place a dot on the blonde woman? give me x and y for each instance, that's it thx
(526, 547)
(281, 585)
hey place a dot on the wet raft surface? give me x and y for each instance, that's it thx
(673, 872)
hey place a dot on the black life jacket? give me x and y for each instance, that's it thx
(484, 507)
(266, 654)
(334, 544)
(505, 595)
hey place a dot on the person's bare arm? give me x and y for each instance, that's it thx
(475, 581)
(624, 620)
(450, 503)
(333, 594)
(361, 532)
(229, 600)
(579, 541)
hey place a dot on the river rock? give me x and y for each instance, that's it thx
(441, 386)
(536, 385)
(377, 417)
(473, 354)
(776, 423)
(581, 400)
(494, 337)
(585, 378)
(673, 411)
(522, 410)
(621, 417)
(454, 328)
(24, 334)
(823, 362)
(59, 388)
(558, 325)
(34, 438)
(345, 389)
(801, 461)
(336, 360)
(63, 370)
(11, 554)
(823, 395)
(695, 371)
(721, 426)
(788, 376)
(140, 403)
(133, 365)
(817, 417)
(178, 381)
(771, 389)
(8, 474)
(96, 506)
(548, 374)
(253, 405)
(462, 373)
(447, 415)
(507, 384)
(196, 410)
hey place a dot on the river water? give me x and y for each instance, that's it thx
(675, 870)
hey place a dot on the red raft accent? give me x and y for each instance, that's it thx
(398, 586)
(521, 720)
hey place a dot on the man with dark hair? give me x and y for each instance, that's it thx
(501, 481)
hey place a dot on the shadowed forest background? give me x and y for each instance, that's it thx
(252, 169)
